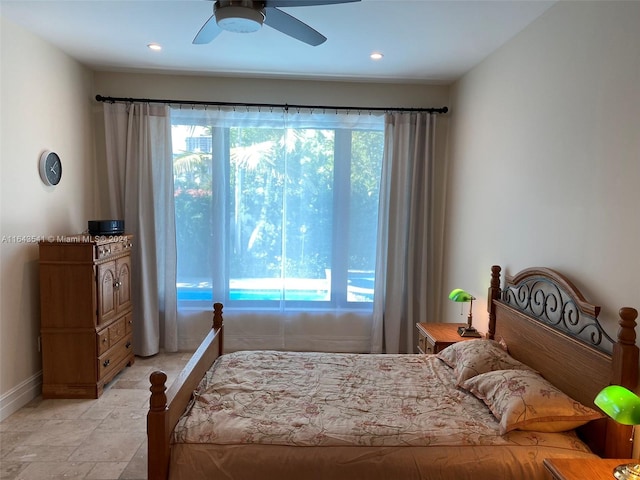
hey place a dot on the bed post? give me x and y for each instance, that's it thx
(493, 294)
(625, 354)
(625, 351)
(217, 324)
(158, 428)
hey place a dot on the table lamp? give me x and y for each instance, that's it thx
(623, 406)
(459, 295)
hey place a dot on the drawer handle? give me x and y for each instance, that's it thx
(117, 285)
(104, 340)
(128, 345)
(106, 363)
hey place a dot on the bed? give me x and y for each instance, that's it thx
(315, 415)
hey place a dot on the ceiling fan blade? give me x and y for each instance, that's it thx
(293, 27)
(304, 3)
(208, 32)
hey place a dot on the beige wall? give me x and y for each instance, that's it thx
(545, 158)
(45, 104)
(269, 90)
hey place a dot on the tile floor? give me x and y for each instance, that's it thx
(86, 439)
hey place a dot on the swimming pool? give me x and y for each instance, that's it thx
(359, 289)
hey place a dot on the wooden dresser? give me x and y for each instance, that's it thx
(85, 311)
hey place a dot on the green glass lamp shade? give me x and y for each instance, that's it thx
(620, 404)
(459, 295)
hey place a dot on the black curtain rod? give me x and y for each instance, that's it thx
(285, 106)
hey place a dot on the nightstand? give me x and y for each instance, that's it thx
(433, 337)
(582, 468)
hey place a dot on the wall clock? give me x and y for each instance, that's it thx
(50, 168)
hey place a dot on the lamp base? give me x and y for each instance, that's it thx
(629, 471)
(468, 332)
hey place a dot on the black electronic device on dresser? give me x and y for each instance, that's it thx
(106, 227)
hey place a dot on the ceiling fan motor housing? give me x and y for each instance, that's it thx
(239, 16)
(244, 16)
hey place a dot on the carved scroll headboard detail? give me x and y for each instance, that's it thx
(556, 303)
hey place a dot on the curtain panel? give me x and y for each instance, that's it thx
(140, 186)
(410, 229)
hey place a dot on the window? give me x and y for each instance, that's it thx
(276, 210)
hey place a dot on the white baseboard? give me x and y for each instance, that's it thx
(19, 396)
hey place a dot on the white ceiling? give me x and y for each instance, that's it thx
(422, 40)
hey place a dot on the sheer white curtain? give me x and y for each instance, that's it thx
(410, 222)
(289, 327)
(140, 185)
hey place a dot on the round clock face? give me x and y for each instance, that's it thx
(50, 168)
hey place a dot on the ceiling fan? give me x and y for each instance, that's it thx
(244, 16)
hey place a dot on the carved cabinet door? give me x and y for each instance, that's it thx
(123, 282)
(107, 288)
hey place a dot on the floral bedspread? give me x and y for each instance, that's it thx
(320, 399)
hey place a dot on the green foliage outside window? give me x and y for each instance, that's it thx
(281, 203)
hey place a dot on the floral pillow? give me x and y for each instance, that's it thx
(524, 400)
(473, 357)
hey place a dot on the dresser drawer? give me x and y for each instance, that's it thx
(120, 245)
(429, 346)
(425, 344)
(117, 331)
(103, 341)
(422, 344)
(105, 250)
(128, 323)
(109, 336)
(112, 359)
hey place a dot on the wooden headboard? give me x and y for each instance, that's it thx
(547, 324)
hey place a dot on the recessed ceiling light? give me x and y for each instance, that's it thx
(376, 56)
(154, 46)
